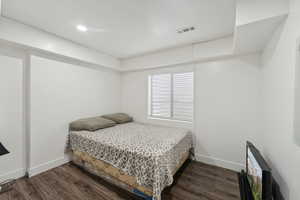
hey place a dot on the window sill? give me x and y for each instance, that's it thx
(170, 120)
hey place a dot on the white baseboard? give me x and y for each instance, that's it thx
(58, 162)
(220, 163)
(47, 166)
(13, 175)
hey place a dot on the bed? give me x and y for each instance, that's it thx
(140, 158)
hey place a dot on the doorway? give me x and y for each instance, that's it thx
(297, 97)
(12, 131)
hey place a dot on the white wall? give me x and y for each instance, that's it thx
(61, 93)
(228, 103)
(279, 83)
(11, 117)
(227, 95)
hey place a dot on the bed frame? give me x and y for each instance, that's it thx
(116, 176)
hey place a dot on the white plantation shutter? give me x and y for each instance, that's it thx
(171, 96)
(183, 98)
(161, 95)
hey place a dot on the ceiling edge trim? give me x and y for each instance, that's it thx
(193, 61)
(29, 38)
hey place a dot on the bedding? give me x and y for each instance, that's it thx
(119, 118)
(149, 153)
(91, 124)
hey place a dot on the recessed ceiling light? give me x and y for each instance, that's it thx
(82, 28)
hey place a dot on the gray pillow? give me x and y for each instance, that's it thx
(119, 118)
(91, 124)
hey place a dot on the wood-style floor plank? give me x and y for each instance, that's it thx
(194, 181)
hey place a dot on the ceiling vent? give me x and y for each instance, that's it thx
(185, 30)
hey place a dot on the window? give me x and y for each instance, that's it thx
(171, 96)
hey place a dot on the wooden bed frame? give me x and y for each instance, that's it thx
(114, 175)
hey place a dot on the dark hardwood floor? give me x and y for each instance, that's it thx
(194, 181)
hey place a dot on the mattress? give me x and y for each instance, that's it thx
(149, 153)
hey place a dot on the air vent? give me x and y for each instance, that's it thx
(185, 30)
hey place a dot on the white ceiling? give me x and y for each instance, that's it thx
(126, 28)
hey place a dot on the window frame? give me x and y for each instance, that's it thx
(171, 118)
